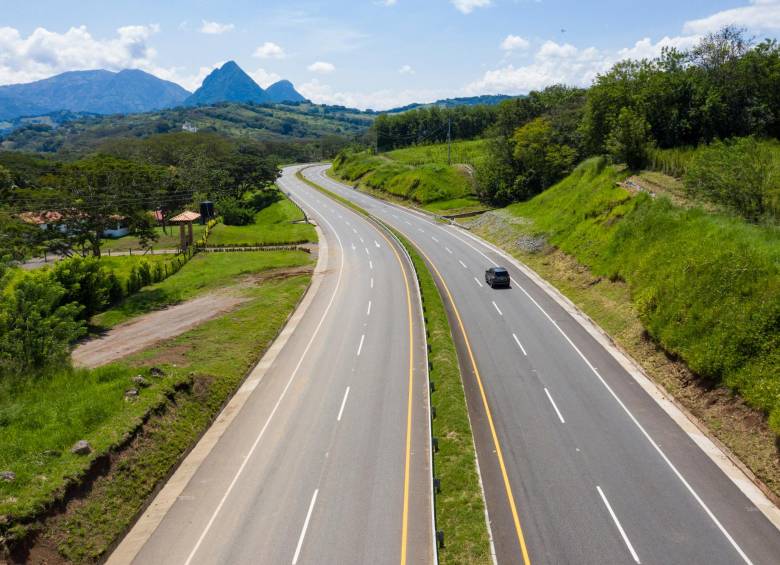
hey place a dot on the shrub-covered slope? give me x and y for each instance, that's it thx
(707, 286)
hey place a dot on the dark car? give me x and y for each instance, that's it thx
(497, 276)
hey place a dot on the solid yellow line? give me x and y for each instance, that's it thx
(499, 452)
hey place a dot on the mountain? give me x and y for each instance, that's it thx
(283, 91)
(229, 83)
(452, 102)
(98, 91)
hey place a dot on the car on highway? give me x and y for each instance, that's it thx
(497, 277)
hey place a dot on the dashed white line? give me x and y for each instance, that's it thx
(433, 237)
(462, 264)
(448, 250)
(360, 347)
(353, 247)
(372, 282)
(368, 310)
(520, 345)
(560, 416)
(420, 230)
(354, 231)
(367, 251)
(343, 403)
(362, 240)
(408, 222)
(376, 243)
(500, 313)
(617, 523)
(305, 526)
(371, 265)
(478, 281)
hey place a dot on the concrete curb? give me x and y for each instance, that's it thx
(148, 522)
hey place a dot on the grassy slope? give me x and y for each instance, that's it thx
(705, 286)
(204, 272)
(470, 152)
(273, 225)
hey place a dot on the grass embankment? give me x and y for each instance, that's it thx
(204, 272)
(472, 152)
(168, 240)
(460, 507)
(450, 188)
(41, 420)
(273, 226)
(705, 287)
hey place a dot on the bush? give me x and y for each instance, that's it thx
(235, 213)
(630, 141)
(85, 282)
(261, 199)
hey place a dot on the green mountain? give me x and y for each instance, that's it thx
(97, 91)
(229, 83)
(489, 99)
(284, 91)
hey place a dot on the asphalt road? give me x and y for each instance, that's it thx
(584, 466)
(328, 461)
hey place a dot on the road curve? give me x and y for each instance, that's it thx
(328, 461)
(596, 471)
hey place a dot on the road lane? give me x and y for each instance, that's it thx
(672, 502)
(309, 473)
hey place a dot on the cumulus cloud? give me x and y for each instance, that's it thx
(215, 28)
(388, 2)
(264, 78)
(406, 70)
(759, 15)
(44, 53)
(269, 50)
(322, 67)
(467, 6)
(514, 42)
(378, 100)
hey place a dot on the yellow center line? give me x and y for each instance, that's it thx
(499, 452)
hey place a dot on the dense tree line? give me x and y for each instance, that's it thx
(724, 87)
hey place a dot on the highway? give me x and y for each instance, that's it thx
(328, 459)
(579, 463)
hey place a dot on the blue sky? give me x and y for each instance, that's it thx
(364, 53)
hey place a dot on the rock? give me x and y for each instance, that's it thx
(81, 447)
(131, 394)
(156, 372)
(7, 476)
(140, 381)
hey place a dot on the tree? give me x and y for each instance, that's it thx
(629, 141)
(541, 160)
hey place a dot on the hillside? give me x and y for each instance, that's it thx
(488, 99)
(229, 83)
(266, 122)
(97, 91)
(284, 91)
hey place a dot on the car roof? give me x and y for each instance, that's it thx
(499, 270)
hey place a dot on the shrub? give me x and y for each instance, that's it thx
(85, 282)
(235, 213)
(630, 141)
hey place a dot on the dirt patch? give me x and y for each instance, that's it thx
(173, 355)
(743, 430)
(275, 274)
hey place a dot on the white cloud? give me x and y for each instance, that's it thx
(264, 78)
(44, 53)
(467, 6)
(269, 50)
(406, 70)
(378, 100)
(759, 15)
(321, 67)
(215, 28)
(388, 2)
(514, 42)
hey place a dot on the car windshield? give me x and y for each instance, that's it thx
(501, 273)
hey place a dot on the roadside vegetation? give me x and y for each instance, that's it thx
(471, 152)
(272, 225)
(460, 506)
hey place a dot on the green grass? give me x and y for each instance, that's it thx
(204, 272)
(460, 508)
(706, 286)
(164, 241)
(123, 264)
(454, 206)
(471, 152)
(273, 226)
(41, 419)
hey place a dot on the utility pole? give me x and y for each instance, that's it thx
(449, 140)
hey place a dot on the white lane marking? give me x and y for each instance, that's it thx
(448, 250)
(353, 247)
(372, 282)
(360, 347)
(368, 310)
(371, 265)
(617, 523)
(420, 230)
(305, 526)
(408, 222)
(362, 240)
(560, 416)
(367, 251)
(276, 406)
(354, 231)
(520, 345)
(343, 403)
(477, 281)
(462, 264)
(376, 243)
(433, 237)
(340, 216)
(669, 463)
(348, 223)
(497, 308)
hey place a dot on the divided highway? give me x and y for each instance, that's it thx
(328, 460)
(579, 463)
